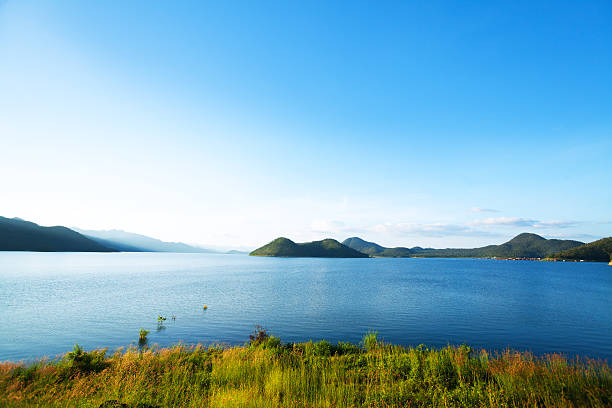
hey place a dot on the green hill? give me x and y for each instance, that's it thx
(327, 248)
(20, 235)
(374, 249)
(524, 245)
(365, 247)
(597, 251)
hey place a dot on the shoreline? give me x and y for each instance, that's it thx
(268, 373)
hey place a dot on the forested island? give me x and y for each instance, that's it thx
(327, 248)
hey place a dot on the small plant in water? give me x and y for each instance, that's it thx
(142, 337)
(160, 323)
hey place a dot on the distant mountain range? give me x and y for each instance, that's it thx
(597, 251)
(19, 235)
(130, 242)
(327, 248)
(524, 245)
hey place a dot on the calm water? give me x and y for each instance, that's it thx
(49, 301)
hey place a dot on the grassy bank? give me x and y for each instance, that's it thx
(266, 373)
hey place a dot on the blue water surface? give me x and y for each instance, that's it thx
(49, 301)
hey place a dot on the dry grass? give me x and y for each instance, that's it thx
(269, 374)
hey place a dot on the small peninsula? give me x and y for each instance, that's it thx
(327, 248)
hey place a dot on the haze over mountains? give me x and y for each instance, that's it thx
(19, 235)
(131, 242)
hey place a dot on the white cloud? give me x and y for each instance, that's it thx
(478, 210)
(476, 228)
(524, 222)
(506, 221)
(556, 224)
(428, 230)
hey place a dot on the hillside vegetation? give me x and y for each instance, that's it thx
(524, 245)
(327, 248)
(597, 251)
(365, 247)
(374, 249)
(20, 235)
(267, 373)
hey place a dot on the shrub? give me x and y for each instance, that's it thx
(262, 339)
(25, 373)
(259, 336)
(370, 341)
(323, 348)
(80, 361)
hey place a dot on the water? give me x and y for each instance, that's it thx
(49, 301)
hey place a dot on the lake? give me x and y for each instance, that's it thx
(49, 301)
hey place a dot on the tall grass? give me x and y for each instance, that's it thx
(267, 373)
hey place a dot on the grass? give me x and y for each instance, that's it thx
(268, 373)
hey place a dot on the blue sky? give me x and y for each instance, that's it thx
(232, 123)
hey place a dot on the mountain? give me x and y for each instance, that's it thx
(374, 249)
(19, 235)
(327, 248)
(524, 245)
(597, 251)
(360, 245)
(130, 242)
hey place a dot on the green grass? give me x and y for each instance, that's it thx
(267, 373)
